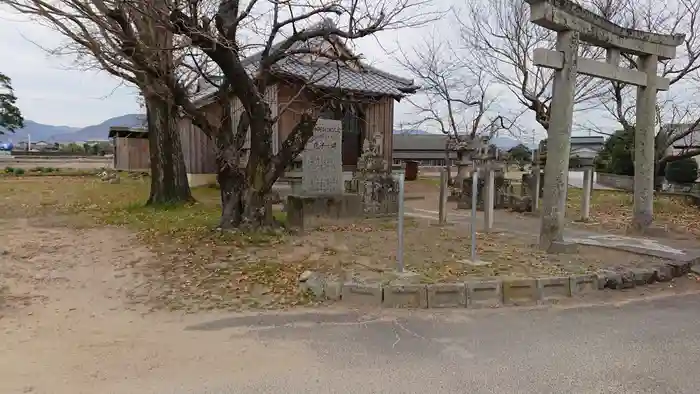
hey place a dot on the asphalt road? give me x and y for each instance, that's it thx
(639, 347)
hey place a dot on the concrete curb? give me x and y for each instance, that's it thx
(501, 292)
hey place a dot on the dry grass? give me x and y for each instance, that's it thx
(200, 268)
(612, 210)
(441, 254)
(183, 237)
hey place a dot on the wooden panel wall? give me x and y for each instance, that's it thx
(380, 119)
(139, 154)
(132, 154)
(291, 106)
(197, 148)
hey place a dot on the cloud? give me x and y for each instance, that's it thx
(48, 90)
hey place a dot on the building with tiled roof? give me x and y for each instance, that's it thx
(368, 95)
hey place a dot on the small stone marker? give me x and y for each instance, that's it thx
(322, 165)
(476, 263)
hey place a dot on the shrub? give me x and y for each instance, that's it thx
(37, 169)
(682, 171)
(47, 169)
(19, 171)
(9, 170)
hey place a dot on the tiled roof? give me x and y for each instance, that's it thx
(332, 75)
(338, 76)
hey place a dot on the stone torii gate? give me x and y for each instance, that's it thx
(573, 23)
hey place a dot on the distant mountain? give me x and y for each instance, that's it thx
(49, 133)
(101, 131)
(37, 131)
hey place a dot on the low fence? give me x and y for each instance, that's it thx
(24, 153)
(625, 182)
(622, 182)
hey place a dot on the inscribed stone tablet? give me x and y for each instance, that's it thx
(322, 165)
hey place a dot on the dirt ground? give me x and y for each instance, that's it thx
(70, 325)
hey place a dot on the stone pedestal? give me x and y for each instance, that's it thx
(306, 212)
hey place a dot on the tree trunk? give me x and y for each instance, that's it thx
(230, 181)
(244, 202)
(168, 173)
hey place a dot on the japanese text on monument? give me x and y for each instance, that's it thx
(322, 164)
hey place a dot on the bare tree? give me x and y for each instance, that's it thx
(678, 115)
(142, 38)
(456, 97)
(498, 36)
(97, 41)
(285, 33)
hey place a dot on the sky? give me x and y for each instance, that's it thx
(51, 91)
(48, 89)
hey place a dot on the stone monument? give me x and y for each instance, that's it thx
(377, 188)
(322, 165)
(573, 23)
(322, 196)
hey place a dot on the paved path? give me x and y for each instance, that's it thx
(576, 180)
(530, 226)
(633, 348)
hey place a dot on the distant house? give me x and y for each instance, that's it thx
(426, 149)
(685, 144)
(41, 145)
(582, 147)
(22, 145)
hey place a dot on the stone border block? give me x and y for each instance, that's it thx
(582, 284)
(361, 294)
(484, 294)
(695, 269)
(554, 288)
(333, 290)
(520, 291)
(601, 280)
(611, 280)
(664, 273)
(643, 276)
(447, 295)
(405, 296)
(628, 280)
(679, 268)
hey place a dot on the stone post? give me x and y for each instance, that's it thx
(643, 212)
(587, 189)
(556, 170)
(442, 209)
(535, 188)
(489, 199)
